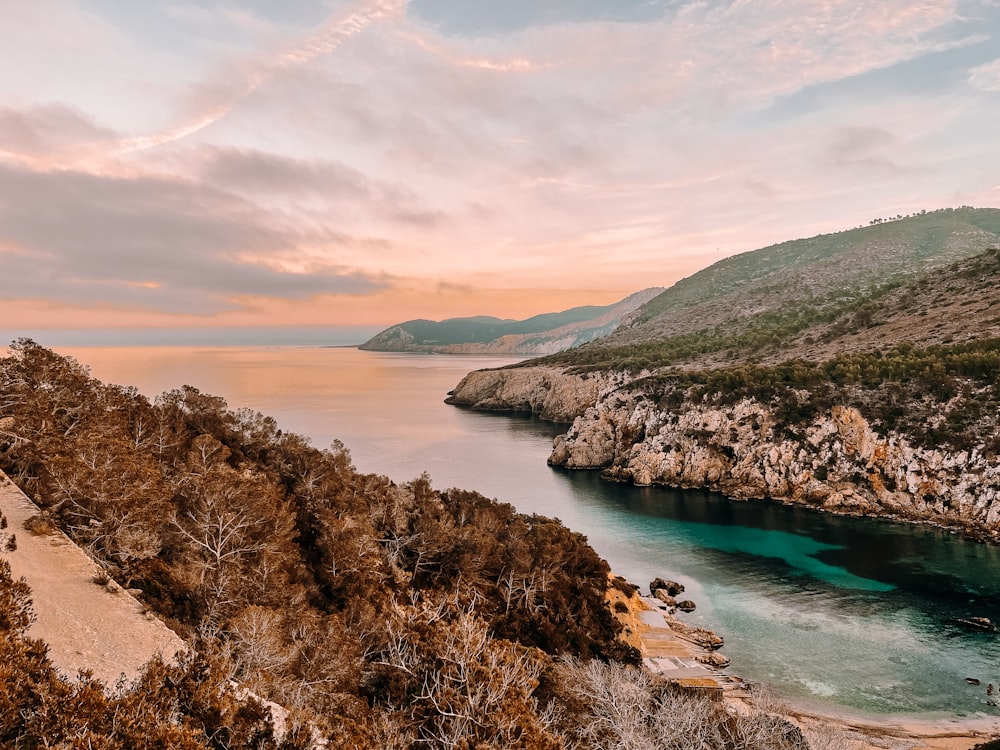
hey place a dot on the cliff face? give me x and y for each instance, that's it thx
(883, 403)
(546, 391)
(836, 462)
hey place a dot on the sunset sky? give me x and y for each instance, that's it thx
(321, 162)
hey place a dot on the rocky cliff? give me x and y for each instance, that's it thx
(549, 392)
(835, 462)
(887, 403)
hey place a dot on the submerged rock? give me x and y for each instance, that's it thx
(977, 623)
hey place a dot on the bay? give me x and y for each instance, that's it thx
(840, 614)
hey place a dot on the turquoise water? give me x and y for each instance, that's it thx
(843, 614)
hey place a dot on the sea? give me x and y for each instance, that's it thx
(841, 615)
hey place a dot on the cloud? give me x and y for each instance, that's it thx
(156, 243)
(486, 17)
(986, 77)
(864, 147)
(337, 29)
(333, 185)
(43, 129)
(512, 65)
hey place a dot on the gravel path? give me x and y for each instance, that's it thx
(101, 628)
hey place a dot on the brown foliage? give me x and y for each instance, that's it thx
(388, 615)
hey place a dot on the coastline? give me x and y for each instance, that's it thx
(829, 729)
(902, 732)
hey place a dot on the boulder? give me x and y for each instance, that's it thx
(706, 639)
(671, 587)
(715, 659)
(686, 605)
(664, 597)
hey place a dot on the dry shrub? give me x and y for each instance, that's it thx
(617, 707)
(39, 524)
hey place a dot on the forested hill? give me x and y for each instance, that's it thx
(381, 615)
(541, 334)
(762, 304)
(334, 592)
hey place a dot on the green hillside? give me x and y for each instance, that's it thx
(540, 334)
(760, 305)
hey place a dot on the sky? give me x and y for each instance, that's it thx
(264, 164)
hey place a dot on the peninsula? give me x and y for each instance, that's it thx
(855, 372)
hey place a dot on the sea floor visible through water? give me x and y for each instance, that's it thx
(844, 615)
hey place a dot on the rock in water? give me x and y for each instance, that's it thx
(686, 605)
(715, 659)
(671, 587)
(978, 623)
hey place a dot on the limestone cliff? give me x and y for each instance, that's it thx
(548, 392)
(835, 462)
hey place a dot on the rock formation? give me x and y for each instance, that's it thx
(836, 462)
(548, 392)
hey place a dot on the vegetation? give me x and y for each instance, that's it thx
(473, 682)
(936, 396)
(184, 706)
(883, 253)
(734, 339)
(380, 615)
(590, 322)
(764, 304)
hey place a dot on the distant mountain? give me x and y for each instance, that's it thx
(542, 334)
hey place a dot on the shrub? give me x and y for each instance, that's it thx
(39, 524)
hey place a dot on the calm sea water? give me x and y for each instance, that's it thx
(842, 614)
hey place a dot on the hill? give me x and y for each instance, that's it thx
(756, 305)
(541, 334)
(380, 615)
(856, 372)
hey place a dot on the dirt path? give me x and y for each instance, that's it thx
(101, 628)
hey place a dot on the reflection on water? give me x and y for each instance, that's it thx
(847, 613)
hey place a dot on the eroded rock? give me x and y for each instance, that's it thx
(673, 588)
(837, 462)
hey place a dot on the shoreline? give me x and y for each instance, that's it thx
(862, 731)
(897, 732)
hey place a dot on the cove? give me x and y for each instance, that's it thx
(843, 614)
